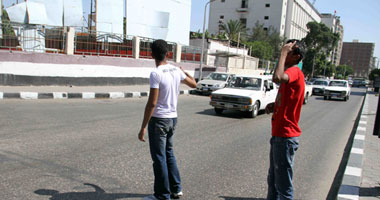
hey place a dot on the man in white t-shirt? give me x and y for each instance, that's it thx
(161, 114)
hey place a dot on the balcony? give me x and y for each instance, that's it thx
(242, 10)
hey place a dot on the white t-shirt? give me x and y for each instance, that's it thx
(167, 79)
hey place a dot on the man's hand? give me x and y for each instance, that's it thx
(141, 135)
(270, 108)
(288, 48)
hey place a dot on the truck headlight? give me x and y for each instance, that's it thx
(218, 85)
(344, 92)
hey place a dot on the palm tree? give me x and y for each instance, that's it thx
(232, 29)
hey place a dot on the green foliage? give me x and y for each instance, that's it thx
(374, 73)
(233, 28)
(342, 71)
(319, 42)
(6, 26)
(261, 49)
(270, 42)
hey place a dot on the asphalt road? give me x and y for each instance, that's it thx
(88, 149)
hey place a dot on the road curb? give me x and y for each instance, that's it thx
(350, 186)
(76, 95)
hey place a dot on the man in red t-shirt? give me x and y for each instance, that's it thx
(286, 114)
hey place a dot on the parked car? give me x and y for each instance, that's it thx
(245, 93)
(319, 86)
(358, 83)
(213, 82)
(337, 89)
(308, 91)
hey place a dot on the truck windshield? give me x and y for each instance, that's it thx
(248, 83)
(320, 83)
(338, 83)
(217, 76)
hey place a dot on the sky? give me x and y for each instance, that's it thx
(360, 18)
(361, 21)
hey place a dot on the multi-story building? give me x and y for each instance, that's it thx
(359, 55)
(289, 17)
(333, 22)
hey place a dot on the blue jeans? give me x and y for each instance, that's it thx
(280, 175)
(166, 175)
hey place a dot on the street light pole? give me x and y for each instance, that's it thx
(203, 41)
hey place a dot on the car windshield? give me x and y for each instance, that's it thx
(338, 83)
(217, 76)
(320, 83)
(246, 83)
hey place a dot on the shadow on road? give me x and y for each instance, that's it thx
(370, 192)
(228, 114)
(98, 194)
(240, 198)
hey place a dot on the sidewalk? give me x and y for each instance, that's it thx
(78, 92)
(362, 174)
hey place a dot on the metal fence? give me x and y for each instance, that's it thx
(191, 54)
(49, 39)
(102, 44)
(32, 38)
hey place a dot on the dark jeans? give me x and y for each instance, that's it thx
(280, 175)
(166, 175)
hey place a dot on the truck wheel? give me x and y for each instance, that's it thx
(325, 97)
(306, 99)
(218, 111)
(255, 110)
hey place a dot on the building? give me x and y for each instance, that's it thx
(333, 22)
(289, 17)
(359, 55)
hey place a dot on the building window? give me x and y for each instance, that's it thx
(265, 29)
(221, 17)
(266, 17)
(244, 22)
(223, 1)
(267, 5)
(244, 3)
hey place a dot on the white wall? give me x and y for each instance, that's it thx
(163, 19)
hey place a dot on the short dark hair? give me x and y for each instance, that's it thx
(298, 49)
(159, 49)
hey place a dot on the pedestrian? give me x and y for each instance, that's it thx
(161, 118)
(286, 114)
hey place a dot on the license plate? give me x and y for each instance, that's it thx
(205, 89)
(229, 105)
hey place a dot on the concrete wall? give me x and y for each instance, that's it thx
(23, 68)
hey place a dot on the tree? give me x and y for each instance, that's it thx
(342, 71)
(271, 36)
(320, 41)
(233, 28)
(374, 73)
(261, 49)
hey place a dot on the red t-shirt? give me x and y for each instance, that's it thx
(287, 109)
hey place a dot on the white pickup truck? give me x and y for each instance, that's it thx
(245, 93)
(337, 89)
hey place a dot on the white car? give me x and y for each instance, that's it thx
(245, 93)
(319, 86)
(214, 81)
(337, 89)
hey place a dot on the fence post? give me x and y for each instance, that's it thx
(136, 47)
(178, 53)
(69, 47)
